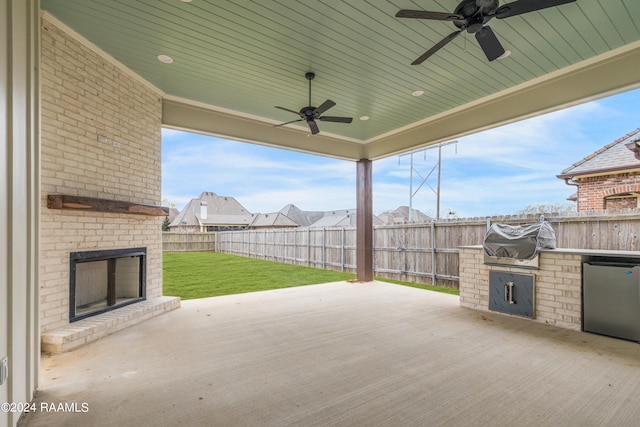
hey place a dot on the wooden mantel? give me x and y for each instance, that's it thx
(91, 204)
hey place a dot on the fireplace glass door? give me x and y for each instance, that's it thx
(105, 280)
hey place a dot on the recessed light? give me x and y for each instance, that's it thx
(186, 1)
(364, 118)
(506, 54)
(165, 58)
(417, 93)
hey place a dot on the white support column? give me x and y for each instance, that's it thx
(19, 201)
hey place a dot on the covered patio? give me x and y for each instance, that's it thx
(87, 85)
(342, 354)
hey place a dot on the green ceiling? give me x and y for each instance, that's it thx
(244, 57)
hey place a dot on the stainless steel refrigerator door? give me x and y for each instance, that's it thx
(611, 300)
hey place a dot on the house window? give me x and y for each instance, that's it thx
(622, 201)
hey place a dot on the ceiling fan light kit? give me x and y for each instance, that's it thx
(472, 15)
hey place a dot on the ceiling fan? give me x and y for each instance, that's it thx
(472, 15)
(311, 114)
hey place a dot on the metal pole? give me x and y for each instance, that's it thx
(424, 179)
(411, 187)
(438, 192)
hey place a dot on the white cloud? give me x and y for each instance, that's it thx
(263, 179)
(499, 171)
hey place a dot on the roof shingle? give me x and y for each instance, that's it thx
(613, 157)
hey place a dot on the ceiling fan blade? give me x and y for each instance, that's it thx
(313, 126)
(525, 6)
(286, 109)
(323, 107)
(489, 43)
(436, 48)
(336, 119)
(423, 14)
(286, 123)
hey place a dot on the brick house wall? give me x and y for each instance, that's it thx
(594, 191)
(87, 97)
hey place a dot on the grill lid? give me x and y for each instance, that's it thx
(519, 241)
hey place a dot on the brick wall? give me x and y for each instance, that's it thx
(593, 191)
(621, 203)
(557, 285)
(86, 97)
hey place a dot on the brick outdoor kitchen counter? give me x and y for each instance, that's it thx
(558, 281)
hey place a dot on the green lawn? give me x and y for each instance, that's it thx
(208, 274)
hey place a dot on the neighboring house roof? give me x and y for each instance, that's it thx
(401, 216)
(217, 210)
(340, 220)
(277, 219)
(300, 217)
(226, 211)
(335, 218)
(618, 156)
(173, 213)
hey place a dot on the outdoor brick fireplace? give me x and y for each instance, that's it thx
(100, 225)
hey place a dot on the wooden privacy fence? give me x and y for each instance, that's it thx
(189, 242)
(403, 252)
(330, 248)
(422, 253)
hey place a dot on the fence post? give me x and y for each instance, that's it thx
(324, 246)
(342, 251)
(373, 250)
(308, 246)
(403, 249)
(273, 245)
(433, 253)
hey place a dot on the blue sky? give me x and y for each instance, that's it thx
(499, 171)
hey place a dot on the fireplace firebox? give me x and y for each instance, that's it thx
(104, 280)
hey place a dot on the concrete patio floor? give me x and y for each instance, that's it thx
(342, 354)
